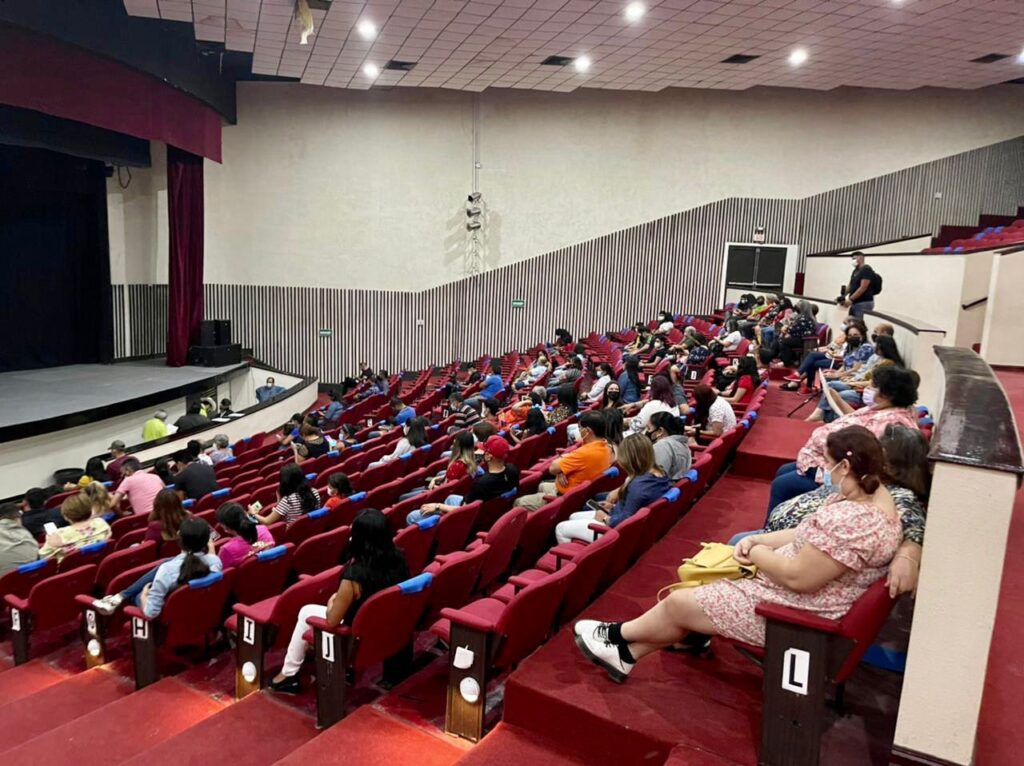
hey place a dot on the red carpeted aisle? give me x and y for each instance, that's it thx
(121, 729)
(1000, 738)
(258, 730)
(368, 737)
(58, 704)
(511, 746)
(774, 442)
(21, 681)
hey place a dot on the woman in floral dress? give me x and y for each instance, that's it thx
(821, 567)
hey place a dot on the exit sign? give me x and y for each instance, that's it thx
(518, 303)
(326, 332)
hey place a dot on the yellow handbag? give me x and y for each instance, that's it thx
(712, 562)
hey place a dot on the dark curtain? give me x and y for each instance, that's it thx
(55, 295)
(185, 256)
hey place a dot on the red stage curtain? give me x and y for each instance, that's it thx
(185, 278)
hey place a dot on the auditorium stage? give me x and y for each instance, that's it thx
(54, 393)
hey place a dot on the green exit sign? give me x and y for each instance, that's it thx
(326, 332)
(518, 303)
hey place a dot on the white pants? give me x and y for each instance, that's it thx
(577, 527)
(296, 646)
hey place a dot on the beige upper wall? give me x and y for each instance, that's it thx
(367, 189)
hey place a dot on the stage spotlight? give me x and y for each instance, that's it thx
(474, 197)
(473, 210)
(474, 224)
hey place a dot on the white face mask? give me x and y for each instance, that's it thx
(853, 262)
(868, 397)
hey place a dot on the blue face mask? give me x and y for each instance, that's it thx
(827, 480)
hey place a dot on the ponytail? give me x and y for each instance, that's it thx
(194, 537)
(192, 568)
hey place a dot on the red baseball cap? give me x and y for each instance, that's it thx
(496, 446)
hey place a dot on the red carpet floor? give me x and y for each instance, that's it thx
(511, 746)
(257, 731)
(58, 704)
(1000, 734)
(19, 682)
(119, 730)
(369, 737)
(774, 441)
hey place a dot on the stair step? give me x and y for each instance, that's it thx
(258, 730)
(59, 703)
(23, 680)
(122, 729)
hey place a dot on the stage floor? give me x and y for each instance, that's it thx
(31, 395)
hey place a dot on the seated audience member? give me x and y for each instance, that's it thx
(225, 408)
(192, 419)
(465, 416)
(208, 407)
(193, 479)
(483, 431)
(166, 518)
(713, 415)
(644, 484)
(34, 515)
(118, 455)
(311, 443)
(99, 499)
(643, 341)
(295, 497)
(567, 404)
(221, 449)
(666, 322)
(139, 487)
(604, 377)
(791, 337)
(671, 447)
(290, 431)
(534, 424)
(629, 380)
(94, 471)
(730, 336)
(462, 461)
(415, 436)
(569, 373)
(82, 529)
(155, 427)
(492, 385)
(498, 478)
(659, 351)
(895, 394)
(821, 567)
(150, 591)
(588, 461)
(662, 400)
(745, 383)
(612, 397)
(17, 545)
(854, 388)
(247, 537)
(822, 358)
(198, 454)
(338, 488)
(375, 564)
(268, 391)
(614, 426)
(532, 374)
(403, 412)
(332, 412)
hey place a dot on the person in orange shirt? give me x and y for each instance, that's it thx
(586, 462)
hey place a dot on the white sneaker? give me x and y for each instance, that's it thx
(108, 604)
(592, 639)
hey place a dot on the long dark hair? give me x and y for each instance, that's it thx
(194, 537)
(906, 459)
(632, 366)
(168, 510)
(704, 396)
(372, 545)
(667, 422)
(417, 433)
(94, 469)
(886, 348)
(234, 517)
(293, 482)
(613, 425)
(566, 394)
(661, 390)
(746, 365)
(535, 422)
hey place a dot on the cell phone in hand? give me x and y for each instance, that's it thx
(214, 535)
(595, 506)
(50, 528)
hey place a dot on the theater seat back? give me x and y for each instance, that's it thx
(455, 526)
(502, 538)
(590, 564)
(528, 617)
(384, 625)
(631, 532)
(863, 622)
(195, 609)
(309, 590)
(321, 551)
(454, 581)
(263, 575)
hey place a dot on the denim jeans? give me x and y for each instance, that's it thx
(131, 593)
(788, 483)
(740, 535)
(861, 308)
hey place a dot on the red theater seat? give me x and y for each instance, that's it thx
(263, 575)
(320, 552)
(455, 578)
(49, 604)
(502, 539)
(416, 542)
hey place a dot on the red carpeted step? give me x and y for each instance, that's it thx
(258, 730)
(775, 441)
(23, 680)
(513, 746)
(368, 736)
(60, 703)
(120, 730)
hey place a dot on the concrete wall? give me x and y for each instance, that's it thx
(1001, 343)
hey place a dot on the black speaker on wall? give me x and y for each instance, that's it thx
(215, 356)
(215, 332)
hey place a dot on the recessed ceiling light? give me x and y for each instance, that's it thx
(582, 63)
(371, 70)
(797, 57)
(366, 29)
(635, 11)
(1020, 58)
